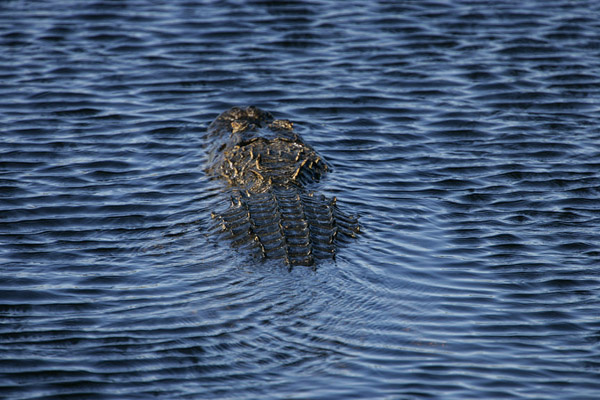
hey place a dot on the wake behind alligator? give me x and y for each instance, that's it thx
(268, 168)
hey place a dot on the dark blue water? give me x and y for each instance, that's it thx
(465, 134)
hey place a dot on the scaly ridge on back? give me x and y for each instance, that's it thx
(268, 165)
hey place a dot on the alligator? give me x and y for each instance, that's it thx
(269, 170)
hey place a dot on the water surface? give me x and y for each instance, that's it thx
(465, 134)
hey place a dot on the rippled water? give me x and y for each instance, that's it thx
(465, 134)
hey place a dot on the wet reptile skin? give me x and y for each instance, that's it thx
(268, 166)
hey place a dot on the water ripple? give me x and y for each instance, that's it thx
(464, 135)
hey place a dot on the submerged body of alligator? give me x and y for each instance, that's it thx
(268, 166)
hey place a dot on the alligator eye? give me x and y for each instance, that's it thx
(222, 147)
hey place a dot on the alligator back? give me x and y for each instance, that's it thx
(267, 166)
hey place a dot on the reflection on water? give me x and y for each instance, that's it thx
(463, 133)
